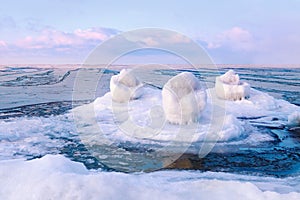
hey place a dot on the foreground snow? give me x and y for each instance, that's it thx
(56, 177)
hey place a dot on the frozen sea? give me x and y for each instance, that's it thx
(47, 151)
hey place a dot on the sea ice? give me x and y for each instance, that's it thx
(228, 86)
(125, 86)
(183, 99)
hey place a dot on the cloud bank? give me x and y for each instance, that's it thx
(38, 43)
(51, 44)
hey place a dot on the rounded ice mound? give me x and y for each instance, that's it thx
(125, 86)
(183, 99)
(294, 119)
(228, 86)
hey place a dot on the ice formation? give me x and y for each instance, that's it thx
(125, 86)
(294, 119)
(183, 99)
(228, 86)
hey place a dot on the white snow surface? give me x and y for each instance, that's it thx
(56, 177)
(143, 120)
(183, 99)
(228, 86)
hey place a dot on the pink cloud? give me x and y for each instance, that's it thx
(2, 43)
(179, 38)
(236, 38)
(90, 34)
(150, 41)
(50, 38)
(160, 38)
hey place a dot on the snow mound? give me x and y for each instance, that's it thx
(125, 86)
(228, 86)
(183, 99)
(294, 119)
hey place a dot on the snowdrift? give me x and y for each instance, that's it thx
(56, 177)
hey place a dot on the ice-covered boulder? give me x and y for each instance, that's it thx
(183, 99)
(125, 86)
(294, 119)
(228, 86)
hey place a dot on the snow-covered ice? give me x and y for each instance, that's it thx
(125, 86)
(228, 86)
(56, 177)
(183, 99)
(143, 112)
(146, 119)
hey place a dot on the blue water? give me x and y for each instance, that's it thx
(46, 94)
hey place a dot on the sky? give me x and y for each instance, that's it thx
(230, 31)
